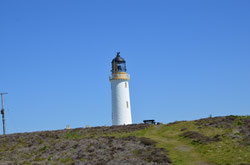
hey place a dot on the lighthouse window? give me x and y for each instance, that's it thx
(121, 67)
(126, 85)
(127, 104)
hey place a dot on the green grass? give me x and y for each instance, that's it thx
(43, 148)
(67, 161)
(183, 152)
(73, 135)
(167, 137)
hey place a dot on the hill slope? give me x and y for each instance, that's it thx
(219, 140)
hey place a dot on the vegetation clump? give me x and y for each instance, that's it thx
(200, 138)
(238, 126)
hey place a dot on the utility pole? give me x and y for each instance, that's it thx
(2, 112)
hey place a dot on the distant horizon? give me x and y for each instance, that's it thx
(89, 126)
(186, 60)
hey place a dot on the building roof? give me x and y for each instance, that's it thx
(118, 59)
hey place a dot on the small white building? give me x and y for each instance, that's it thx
(121, 110)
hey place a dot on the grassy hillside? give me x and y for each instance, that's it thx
(219, 140)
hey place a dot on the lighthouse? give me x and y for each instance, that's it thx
(121, 110)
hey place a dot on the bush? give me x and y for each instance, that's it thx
(147, 141)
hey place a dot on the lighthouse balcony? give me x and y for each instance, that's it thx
(121, 76)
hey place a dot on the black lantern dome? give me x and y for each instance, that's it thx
(118, 59)
(118, 64)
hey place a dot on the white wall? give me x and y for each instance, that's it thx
(121, 114)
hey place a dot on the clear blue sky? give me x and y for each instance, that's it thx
(187, 60)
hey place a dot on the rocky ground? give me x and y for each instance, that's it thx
(81, 146)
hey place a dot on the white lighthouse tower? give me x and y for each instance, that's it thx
(121, 112)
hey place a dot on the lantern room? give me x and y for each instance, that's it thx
(118, 65)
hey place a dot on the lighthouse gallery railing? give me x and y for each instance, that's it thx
(119, 76)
